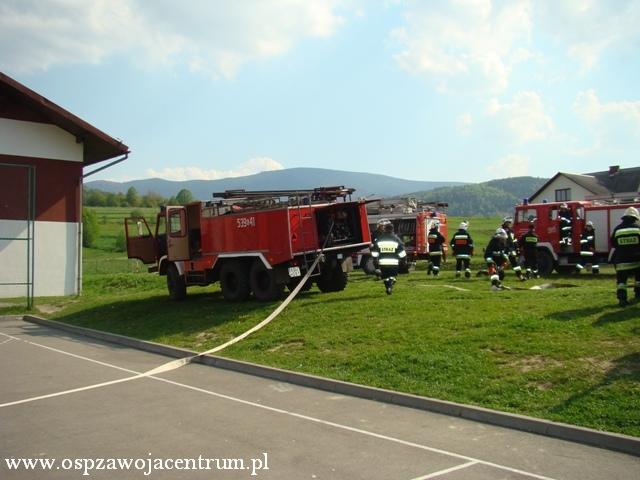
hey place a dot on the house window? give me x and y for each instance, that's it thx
(563, 195)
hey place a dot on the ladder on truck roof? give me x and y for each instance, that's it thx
(319, 194)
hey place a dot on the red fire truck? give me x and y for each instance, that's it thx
(253, 242)
(563, 256)
(411, 221)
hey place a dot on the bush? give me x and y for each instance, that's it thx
(90, 228)
(121, 243)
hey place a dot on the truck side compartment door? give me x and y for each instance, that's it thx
(140, 241)
(177, 234)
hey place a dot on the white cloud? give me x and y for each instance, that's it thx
(613, 127)
(255, 165)
(587, 28)
(214, 37)
(525, 117)
(590, 109)
(465, 44)
(513, 165)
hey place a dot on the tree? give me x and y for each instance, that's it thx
(90, 227)
(94, 198)
(133, 198)
(184, 196)
(152, 199)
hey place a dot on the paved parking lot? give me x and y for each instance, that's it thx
(75, 400)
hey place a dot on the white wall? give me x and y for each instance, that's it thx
(17, 137)
(562, 182)
(56, 259)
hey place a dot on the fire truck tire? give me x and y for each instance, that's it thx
(565, 269)
(175, 283)
(404, 266)
(368, 265)
(263, 283)
(234, 281)
(293, 283)
(545, 263)
(333, 280)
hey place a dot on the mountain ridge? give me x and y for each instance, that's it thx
(366, 184)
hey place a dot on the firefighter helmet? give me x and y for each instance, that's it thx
(435, 224)
(564, 206)
(383, 222)
(632, 212)
(501, 233)
(590, 224)
(463, 225)
(506, 220)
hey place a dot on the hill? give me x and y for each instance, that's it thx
(366, 184)
(495, 197)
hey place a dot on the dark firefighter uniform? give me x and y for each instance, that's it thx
(436, 251)
(462, 247)
(529, 246)
(388, 250)
(625, 239)
(496, 257)
(512, 246)
(565, 225)
(587, 249)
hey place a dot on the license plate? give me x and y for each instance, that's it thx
(294, 272)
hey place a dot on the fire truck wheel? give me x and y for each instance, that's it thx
(368, 265)
(234, 281)
(545, 263)
(293, 283)
(333, 280)
(263, 282)
(175, 283)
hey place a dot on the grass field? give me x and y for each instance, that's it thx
(566, 353)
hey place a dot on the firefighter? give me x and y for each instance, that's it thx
(565, 218)
(436, 252)
(388, 250)
(379, 229)
(587, 249)
(529, 246)
(496, 256)
(462, 246)
(512, 247)
(625, 254)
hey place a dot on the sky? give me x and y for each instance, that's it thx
(459, 90)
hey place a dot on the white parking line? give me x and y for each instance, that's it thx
(448, 470)
(470, 460)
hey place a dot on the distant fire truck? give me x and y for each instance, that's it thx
(412, 220)
(253, 242)
(563, 256)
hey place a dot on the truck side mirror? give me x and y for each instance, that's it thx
(139, 225)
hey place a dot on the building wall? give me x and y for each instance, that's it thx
(57, 161)
(562, 182)
(55, 258)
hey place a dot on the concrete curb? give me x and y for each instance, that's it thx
(587, 436)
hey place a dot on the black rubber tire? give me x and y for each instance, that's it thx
(332, 280)
(565, 269)
(368, 264)
(175, 283)
(293, 283)
(545, 263)
(234, 281)
(263, 282)
(403, 266)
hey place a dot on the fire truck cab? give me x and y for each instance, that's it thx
(253, 242)
(563, 256)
